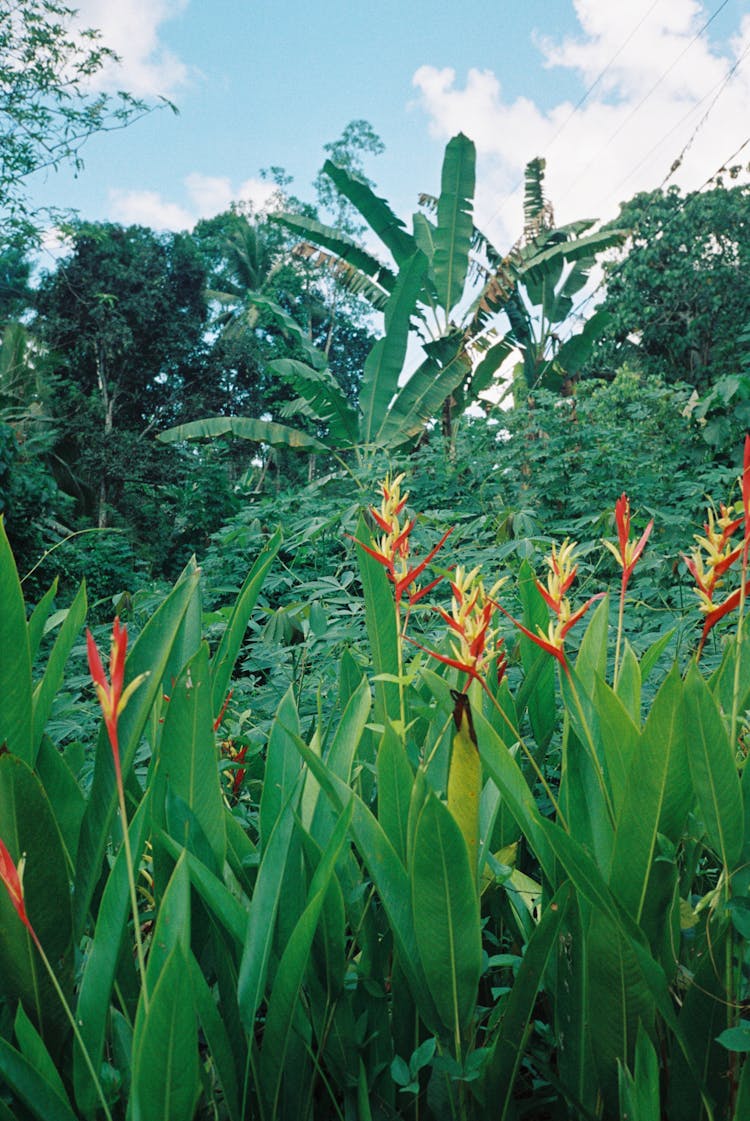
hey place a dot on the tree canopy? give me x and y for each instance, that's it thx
(48, 105)
(679, 299)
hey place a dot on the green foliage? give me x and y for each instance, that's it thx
(676, 300)
(48, 109)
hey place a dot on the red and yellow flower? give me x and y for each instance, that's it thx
(393, 548)
(112, 697)
(627, 552)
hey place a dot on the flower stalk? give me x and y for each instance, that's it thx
(12, 878)
(113, 698)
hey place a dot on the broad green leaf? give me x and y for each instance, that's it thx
(15, 660)
(287, 983)
(229, 912)
(65, 795)
(464, 786)
(455, 225)
(246, 428)
(150, 654)
(591, 661)
(283, 765)
(619, 999)
(50, 683)
(446, 914)
(619, 736)
(31, 1088)
(28, 828)
(324, 396)
(100, 965)
(703, 1016)
(385, 361)
(395, 781)
(508, 777)
(648, 799)
(38, 619)
(375, 211)
(346, 250)
(654, 652)
(422, 396)
(217, 1038)
(714, 771)
(186, 762)
(389, 877)
(222, 662)
(507, 1048)
(33, 1048)
(165, 1051)
(263, 910)
(629, 683)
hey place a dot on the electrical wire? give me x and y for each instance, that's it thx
(577, 107)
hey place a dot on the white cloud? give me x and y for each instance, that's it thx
(659, 83)
(148, 208)
(131, 29)
(206, 195)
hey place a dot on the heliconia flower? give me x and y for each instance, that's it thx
(562, 573)
(471, 613)
(392, 549)
(112, 697)
(629, 551)
(10, 876)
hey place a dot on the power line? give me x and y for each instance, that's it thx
(646, 97)
(576, 311)
(579, 104)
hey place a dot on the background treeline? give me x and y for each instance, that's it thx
(130, 332)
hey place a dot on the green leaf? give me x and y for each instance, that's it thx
(455, 224)
(375, 211)
(382, 632)
(736, 1039)
(15, 659)
(501, 764)
(186, 758)
(100, 965)
(28, 827)
(651, 804)
(246, 428)
(38, 619)
(48, 687)
(422, 396)
(222, 662)
(165, 1050)
(65, 795)
(714, 771)
(388, 875)
(261, 920)
(324, 396)
(541, 704)
(395, 781)
(217, 1038)
(345, 248)
(385, 361)
(287, 983)
(507, 1048)
(31, 1088)
(446, 914)
(283, 765)
(150, 654)
(33, 1048)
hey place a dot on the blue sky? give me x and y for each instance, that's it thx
(261, 83)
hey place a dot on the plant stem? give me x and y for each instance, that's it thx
(620, 619)
(133, 896)
(73, 1024)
